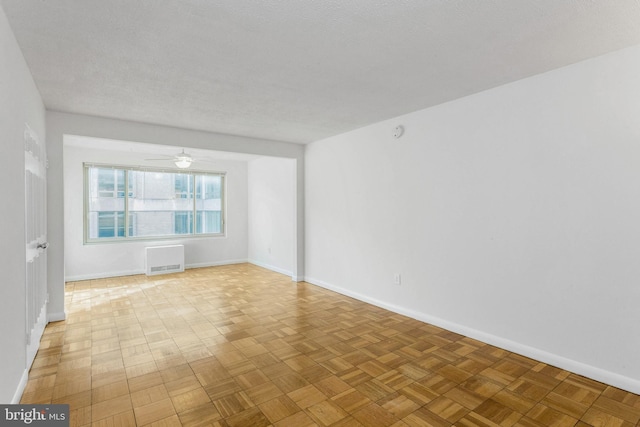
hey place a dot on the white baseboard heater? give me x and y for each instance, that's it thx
(164, 259)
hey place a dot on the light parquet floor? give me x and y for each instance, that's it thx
(243, 346)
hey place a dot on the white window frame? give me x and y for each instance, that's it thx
(128, 214)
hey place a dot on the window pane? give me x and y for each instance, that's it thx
(106, 182)
(110, 224)
(106, 224)
(131, 223)
(184, 222)
(209, 222)
(208, 204)
(183, 186)
(161, 203)
(105, 216)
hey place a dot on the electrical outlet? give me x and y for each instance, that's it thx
(397, 279)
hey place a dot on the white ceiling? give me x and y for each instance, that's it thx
(302, 70)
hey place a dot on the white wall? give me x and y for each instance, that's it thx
(272, 213)
(20, 103)
(512, 215)
(117, 259)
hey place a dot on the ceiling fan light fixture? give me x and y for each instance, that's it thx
(183, 162)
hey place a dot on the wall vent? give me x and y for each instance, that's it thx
(164, 259)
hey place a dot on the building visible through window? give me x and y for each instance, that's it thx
(157, 203)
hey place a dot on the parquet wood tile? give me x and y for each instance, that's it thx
(299, 419)
(108, 408)
(149, 395)
(307, 396)
(326, 413)
(375, 416)
(123, 419)
(109, 391)
(172, 421)
(279, 408)
(153, 412)
(243, 346)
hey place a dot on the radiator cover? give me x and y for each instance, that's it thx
(164, 259)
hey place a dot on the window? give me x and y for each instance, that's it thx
(183, 221)
(110, 224)
(111, 182)
(157, 203)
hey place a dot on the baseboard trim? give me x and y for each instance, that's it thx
(271, 267)
(33, 343)
(103, 275)
(215, 263)
(21, 386)
(107, 274)
(595, 373)
(56, 317)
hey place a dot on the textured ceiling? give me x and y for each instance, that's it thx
(300, 70)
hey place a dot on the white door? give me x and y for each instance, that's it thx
(35, 192)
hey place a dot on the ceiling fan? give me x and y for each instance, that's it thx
(182, 160)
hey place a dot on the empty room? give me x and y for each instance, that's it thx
(331, 213)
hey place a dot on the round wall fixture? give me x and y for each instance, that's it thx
(398, 131)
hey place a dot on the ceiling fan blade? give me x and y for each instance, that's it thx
(185, 159)
(204, 159)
